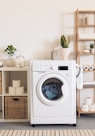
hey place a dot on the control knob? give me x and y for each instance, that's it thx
(52, 68)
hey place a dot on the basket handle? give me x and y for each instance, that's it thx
(16, 99)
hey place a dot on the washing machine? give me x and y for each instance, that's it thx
(53, 92)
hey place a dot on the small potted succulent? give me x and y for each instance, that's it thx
(65, 41)
(92, 48)
(10, 50)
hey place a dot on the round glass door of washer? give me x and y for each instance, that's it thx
(52, 89)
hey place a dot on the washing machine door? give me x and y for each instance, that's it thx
(52, 89)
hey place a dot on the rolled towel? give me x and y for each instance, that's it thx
(91, 67)
(84, 107)
(12, 90)
(19, 90)
(16, 83)
(86, 67)
(88, 100)
(92, 107)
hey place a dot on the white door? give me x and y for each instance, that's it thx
(52, 88)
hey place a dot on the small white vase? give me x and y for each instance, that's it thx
(65, 53)
(20, 62)
(92, 50)
(10, 62)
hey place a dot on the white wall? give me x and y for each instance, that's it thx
(35, 26)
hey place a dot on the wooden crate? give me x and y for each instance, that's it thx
(15, 107)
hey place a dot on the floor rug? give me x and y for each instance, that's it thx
(47, 132)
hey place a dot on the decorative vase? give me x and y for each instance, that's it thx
(92, 50)
(65, 53)
(10, 62)
(20, 62)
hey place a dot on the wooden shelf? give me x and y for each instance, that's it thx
(88, 86)
(7, 94)
(84, 112)
(81, 37)
(88, 70)
(86, 11)
(85, 53)
(86, 25)
(8, 74)
(14, 69)
(86, 39)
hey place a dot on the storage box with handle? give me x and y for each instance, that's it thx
(15, 107)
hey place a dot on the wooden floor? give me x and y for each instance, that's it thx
(47, 132)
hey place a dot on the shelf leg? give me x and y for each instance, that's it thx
(78, 115)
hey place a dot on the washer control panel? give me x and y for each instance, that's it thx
(53, 65)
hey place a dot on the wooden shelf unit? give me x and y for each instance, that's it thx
(80, 53)
(18, 110)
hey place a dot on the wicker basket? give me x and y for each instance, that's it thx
(15, 107)
(0, 82)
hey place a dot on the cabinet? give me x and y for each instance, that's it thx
(14, 94)
(85, 35)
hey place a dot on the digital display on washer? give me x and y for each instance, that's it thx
(62, 67)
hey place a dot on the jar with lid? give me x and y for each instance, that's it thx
(20, 62)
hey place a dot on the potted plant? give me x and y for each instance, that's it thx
(65, 41)
(10, 50)
(91, 48)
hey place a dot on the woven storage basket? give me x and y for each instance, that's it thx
(15, 107)
(0, 82)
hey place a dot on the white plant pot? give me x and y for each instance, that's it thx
(65, 53)
(92, 50)
(10, 62)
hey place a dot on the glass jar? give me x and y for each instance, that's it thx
(20, 62)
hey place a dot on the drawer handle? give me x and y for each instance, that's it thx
(15, 99)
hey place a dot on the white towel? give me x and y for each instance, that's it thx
(80, 79)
